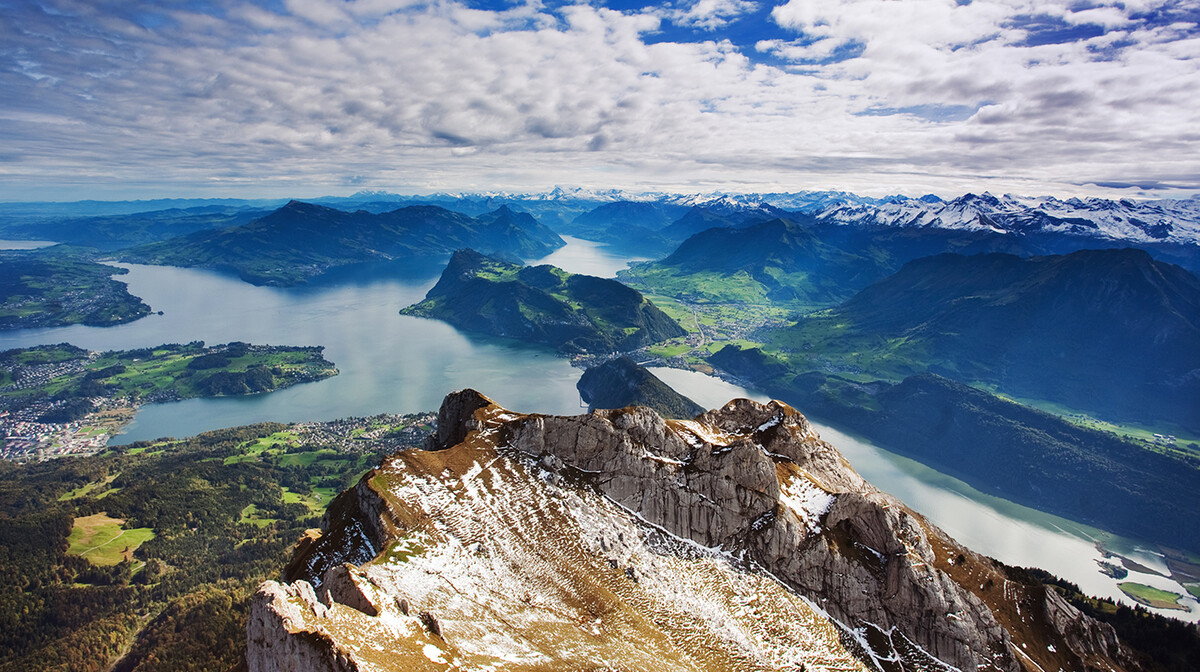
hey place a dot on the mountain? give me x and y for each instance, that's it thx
(1112, 331)
(629, 226)
(617, 540)
(718, 215)
(655, 228)
(301, 241)
(543, 304)
(777, 260)
(649, 216)
(998, 446)
(620, 382)
(117, 231)
(1124, 219)
(1168, 228)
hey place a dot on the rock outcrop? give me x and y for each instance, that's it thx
(738, 540)
(620, 382)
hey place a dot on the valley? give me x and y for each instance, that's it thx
(398, 363)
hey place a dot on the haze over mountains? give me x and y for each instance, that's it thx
(1060, 327)
(302, 241)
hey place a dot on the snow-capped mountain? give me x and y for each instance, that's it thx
(1159, 221)
(1150, 221)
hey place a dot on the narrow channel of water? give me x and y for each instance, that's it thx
(1009, 532)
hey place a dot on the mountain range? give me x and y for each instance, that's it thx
(302, 241)
(1111, 331)
(1142, 221)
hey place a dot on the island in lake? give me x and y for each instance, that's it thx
(61, 399)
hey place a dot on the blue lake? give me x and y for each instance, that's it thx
(390, 363)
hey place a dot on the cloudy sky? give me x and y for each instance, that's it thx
(129, 99)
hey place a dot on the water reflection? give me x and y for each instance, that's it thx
(25, 244)
(586, 257)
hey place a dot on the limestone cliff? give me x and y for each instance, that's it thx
(619, 540)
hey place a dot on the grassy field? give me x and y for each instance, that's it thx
(1186, 443)
(703, 287)
(1151, 597)
(101, 540)
(250, 516)
(170, 370)
(316, 502)
(273, 444)
(96, 488)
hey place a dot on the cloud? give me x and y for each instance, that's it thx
(430, 95)
(709, 14)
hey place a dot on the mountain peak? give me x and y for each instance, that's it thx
(668, 544)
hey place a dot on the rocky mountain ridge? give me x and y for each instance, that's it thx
(619, 540)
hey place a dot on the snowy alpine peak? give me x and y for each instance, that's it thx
(1175, 221)
(737, 540)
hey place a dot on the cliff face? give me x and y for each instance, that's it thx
(738, 540)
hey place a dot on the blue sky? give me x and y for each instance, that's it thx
(129, 99)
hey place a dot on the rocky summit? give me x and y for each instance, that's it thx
(618, 540)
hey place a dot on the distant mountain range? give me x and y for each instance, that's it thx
(1140, 221)
(1143, 221)
(302, 241)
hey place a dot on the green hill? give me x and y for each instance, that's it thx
(301, 241)
(1110, 331)
(620, 382)
(543, 304)
(777, 261)
(48, 289)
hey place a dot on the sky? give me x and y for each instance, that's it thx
(119, 99)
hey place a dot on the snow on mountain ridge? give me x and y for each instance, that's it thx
(1150, 221)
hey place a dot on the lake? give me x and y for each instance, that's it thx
(391, 363)
(24, 244)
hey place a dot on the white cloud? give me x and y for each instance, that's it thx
(708, 14)
(443, 96)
